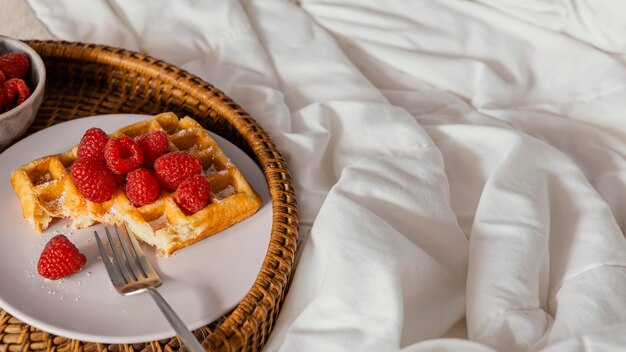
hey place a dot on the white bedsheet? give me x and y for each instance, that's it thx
(460, 165)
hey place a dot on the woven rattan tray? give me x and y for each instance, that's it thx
(86, 80)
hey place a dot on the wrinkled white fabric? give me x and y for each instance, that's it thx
(460, 166)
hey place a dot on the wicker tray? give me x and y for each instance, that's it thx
(85, 80)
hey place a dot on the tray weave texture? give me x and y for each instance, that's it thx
(86, 80)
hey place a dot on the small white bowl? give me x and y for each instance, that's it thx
(15, 122)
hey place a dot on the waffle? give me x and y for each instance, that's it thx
(46, 192)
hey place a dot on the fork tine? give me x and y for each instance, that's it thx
(113, 271)
(128, 259)
(141, 258)
(131, 254)
(121, 262)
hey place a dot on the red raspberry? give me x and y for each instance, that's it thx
(122, 155)
(119, 179)
(93, 180)
(141, 187)
(173, 168)
(154, 144)
(193, 194)
(14, 92)
(60, 258)
(92, 144)
(14, 65)
(5, 101)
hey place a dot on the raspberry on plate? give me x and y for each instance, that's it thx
(93, 180)
(92, 144)
(141, 187)
(154, 144)
(193, 194)
(173, 168)
(119, 179)
(122, 155)
(60, 258)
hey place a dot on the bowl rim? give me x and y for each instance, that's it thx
(37, 62)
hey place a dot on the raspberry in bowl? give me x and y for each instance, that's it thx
(22, 82)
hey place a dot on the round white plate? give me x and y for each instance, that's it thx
(201, 282)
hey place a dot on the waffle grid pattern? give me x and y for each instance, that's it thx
(46, 191)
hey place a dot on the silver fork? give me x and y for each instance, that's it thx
(131, 273)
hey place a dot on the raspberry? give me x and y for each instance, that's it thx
(5, 101)
(154, 144)
(92, 144)
(14, 92)
(60, 258)
(119, 179)
(93, 180)
(173, 168)
(141, 187)
(122, 155)
(193, 194)
(14, 65)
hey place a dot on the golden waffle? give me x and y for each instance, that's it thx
(46, 191)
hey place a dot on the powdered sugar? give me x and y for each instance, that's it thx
(193, 149)
(211, 170)
(113, 211)
(54, 205)
(225, 193)
(159, 223)
(181, 133)
(45, 178)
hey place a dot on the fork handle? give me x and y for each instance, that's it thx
(179, 326)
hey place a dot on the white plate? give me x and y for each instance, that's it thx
(201, 282)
